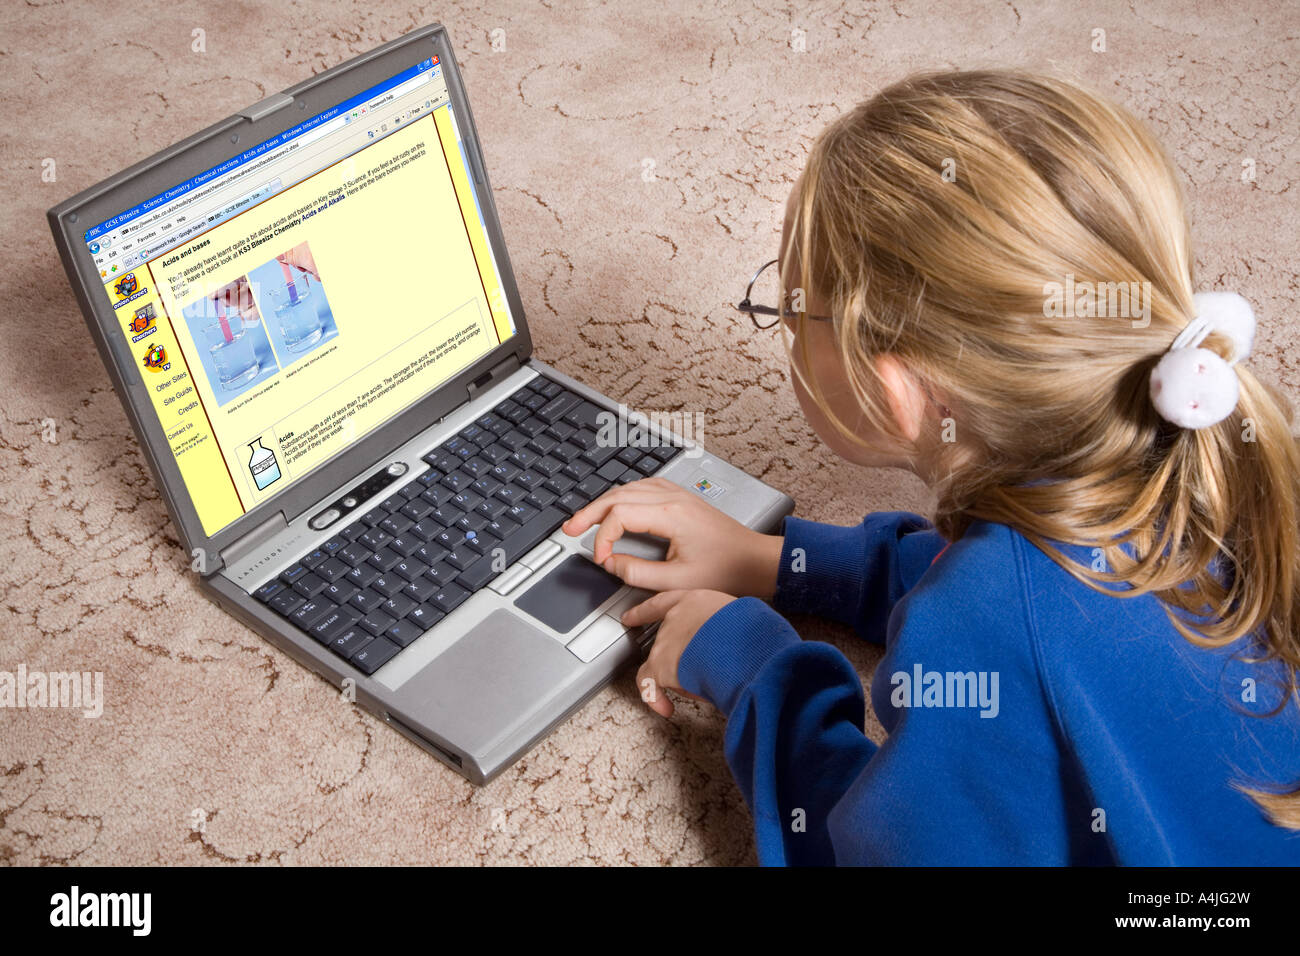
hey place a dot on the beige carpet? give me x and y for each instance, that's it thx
(627, 285)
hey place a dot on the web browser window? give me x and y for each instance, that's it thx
(285, 303)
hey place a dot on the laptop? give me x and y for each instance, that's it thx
(309, 314)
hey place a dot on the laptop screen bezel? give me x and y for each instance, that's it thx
(209, 148)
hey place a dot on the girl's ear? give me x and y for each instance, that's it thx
(906, 397)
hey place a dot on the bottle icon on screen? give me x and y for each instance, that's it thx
(262, 464)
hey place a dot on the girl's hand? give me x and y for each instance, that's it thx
(682, 613)
(706, 548)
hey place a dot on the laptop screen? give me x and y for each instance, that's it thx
(285, 303)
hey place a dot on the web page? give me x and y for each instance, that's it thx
(284, 304)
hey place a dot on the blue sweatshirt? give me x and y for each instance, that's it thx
(1030, 718)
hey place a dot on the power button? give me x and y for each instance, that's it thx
(397, 469)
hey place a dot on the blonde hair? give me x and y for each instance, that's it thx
(933, 218)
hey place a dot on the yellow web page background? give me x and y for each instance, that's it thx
(412, 301)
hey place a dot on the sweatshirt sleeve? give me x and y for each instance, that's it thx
(794, 739)
(854, 575)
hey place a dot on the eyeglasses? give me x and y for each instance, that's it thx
(754, 311)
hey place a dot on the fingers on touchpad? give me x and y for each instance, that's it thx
(568, 593)
(637, 545)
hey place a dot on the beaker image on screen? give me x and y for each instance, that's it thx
(231, 339)
(298, 315)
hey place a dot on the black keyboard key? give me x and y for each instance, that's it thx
(566, 451)
(367, 600)
(487, 485)
(353, 531)
(362, 575)
(547, 466)
(462, 557)
(630, 456)
(560, 430)
(430, 554)
(334, 623)
(374, 516)
(542, 444)
(375, 539)
(426, 530)
(425, 616)
(557, 407)
(388, 584)
(420, 589)
(479, 574)
(354, 553)
(630, 475)
(417, 508)
(457, 481)
(467, 501)
(314, 558)
(405, 545)
(269, 590)
(309, 585)
(477, 466)
(665, 453)
(376, 622)
(600, 454)
(311, 612)
(528, 480)
(446, 515)
(403, 633)
(385, 559)
(546, 386)
(586, 440)
(341, 592)
(410, 569)
(648, 465)
(496, 453)
(395, 524)
(611, 470)
(540, 498)
(514, 440)
(532, 533)
(442, 573)
(287, 601)
(398, 605)
(532, 427)
(290, 575)
(571, 502)
(584, 415)
(491, 509)
(591, 487)
(374, 655)
(559, 485)
(350, 642)
(450, 597)
(578, 470)
(332, 570)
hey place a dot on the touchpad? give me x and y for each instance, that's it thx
(570, 592)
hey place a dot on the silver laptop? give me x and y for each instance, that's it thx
(309, 313)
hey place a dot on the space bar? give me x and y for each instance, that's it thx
(515, 545)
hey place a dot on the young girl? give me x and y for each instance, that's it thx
(1091, 654)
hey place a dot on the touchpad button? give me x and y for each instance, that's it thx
(571, 591)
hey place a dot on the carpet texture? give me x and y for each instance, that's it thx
(215, 748)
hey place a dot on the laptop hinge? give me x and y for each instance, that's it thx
(254, 539)
(506, 367)
(264, 108)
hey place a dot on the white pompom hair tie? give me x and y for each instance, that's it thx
(1191, 386)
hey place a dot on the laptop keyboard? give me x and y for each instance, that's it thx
(506, 482)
